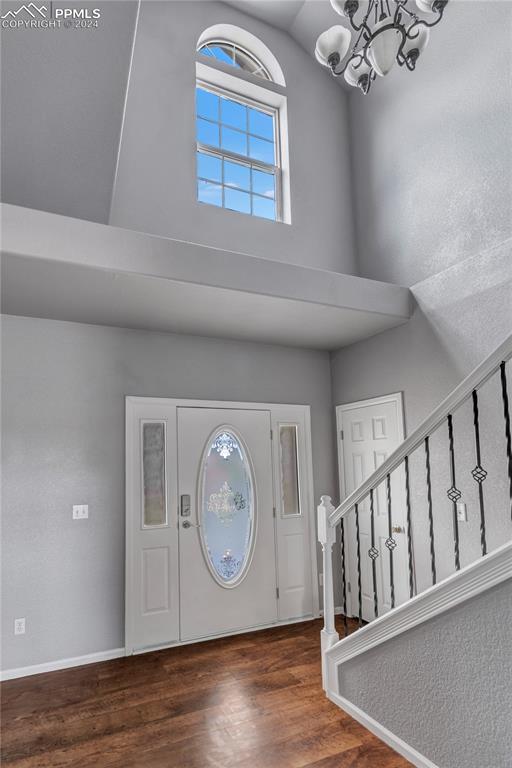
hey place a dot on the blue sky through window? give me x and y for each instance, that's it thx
(233, 135)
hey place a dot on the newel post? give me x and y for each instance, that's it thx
(327, 538)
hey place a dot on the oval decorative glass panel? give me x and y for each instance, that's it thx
(227, 507)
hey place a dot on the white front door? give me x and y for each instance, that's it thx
(227, 537)
(368, 432)
(220, 533)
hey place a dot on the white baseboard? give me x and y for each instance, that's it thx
(115, 653)
(382, 733)
(53, 666)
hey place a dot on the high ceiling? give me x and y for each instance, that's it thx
(304, 20)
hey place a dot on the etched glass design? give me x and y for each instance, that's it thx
(153, 473)
(290, 495)
(227, 507)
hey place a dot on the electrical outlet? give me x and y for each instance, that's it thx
(462, 512)
(80, 511)
(19, 626)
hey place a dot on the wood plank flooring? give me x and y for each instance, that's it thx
(250, 701)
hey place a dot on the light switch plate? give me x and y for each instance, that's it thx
(462, 512)
(19, 626)
(80, 511)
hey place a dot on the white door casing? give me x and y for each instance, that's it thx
(368, 431)
(160, 583)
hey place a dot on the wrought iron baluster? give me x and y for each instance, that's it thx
(356, 508)
(409, 526)
(479, 474)
(343, 576)
(506, 414)
(453, 494)
(373, 553)
(390, 542)
(430, 511)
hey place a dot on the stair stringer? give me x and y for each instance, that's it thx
(461, 586)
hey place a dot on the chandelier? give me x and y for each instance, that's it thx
(387, 31)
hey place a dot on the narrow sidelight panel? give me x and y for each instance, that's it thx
(289, 464)
(153, 473)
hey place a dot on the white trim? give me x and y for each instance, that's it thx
(117, 653)
(231, 633)
(302, 410)
(125, 105)
(470, 581)
(393, 741)
(250, 42)
(219, 78)
(394, 397)
(475, 379)
(487, 572)
(53, 666)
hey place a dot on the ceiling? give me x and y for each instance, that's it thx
(304, 20)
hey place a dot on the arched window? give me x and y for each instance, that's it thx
(235, 56)
(241, 126)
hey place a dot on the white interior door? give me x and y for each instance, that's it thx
(226, 525)
(368, 432)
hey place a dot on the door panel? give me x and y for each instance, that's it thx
(292, 506)
(371, 431)
(215, 600)
(152, 596)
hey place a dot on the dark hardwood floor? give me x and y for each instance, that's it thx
(253, 701)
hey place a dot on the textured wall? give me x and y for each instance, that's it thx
(155, 189)
(432, 156)
(62, 105)
(444, 686)
(462, 315)
(63, 444)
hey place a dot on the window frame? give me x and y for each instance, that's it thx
(220, 153)
(229, 43)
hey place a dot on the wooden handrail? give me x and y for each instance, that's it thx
(473, 381)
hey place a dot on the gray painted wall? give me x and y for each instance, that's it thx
(156, 188)
(62, 102)
(432, 158)
(462, 315)
(63, 444)
(444, 687)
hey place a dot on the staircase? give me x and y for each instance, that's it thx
(471, 428)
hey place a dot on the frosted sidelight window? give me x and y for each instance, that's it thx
(227, 508)
(153, 473)
(290, 495)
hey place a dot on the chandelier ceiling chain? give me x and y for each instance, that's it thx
(389, 31)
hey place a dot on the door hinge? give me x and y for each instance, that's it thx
(342, 435)
(349, 587)
(277, 592)
(274, 511)
(271, 434)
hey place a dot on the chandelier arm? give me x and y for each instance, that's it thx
(425, 23)
(342, 71)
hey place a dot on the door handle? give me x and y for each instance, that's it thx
(188, 524)
(398, 529)
(185, 505)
